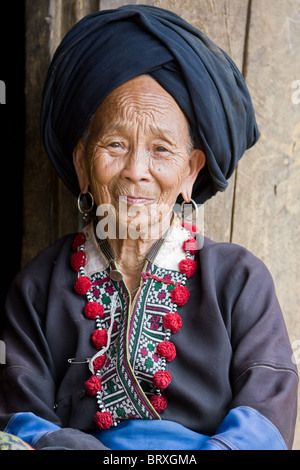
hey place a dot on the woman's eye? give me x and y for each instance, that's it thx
(115, 145)
(161, 149)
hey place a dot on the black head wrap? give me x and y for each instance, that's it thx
(109, 47)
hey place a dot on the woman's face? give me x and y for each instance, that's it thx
(137, 153)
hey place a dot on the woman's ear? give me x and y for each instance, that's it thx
(196, 162)
(80, 166)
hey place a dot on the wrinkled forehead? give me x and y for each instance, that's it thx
(144, 102)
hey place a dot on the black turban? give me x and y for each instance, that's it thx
(107, 48)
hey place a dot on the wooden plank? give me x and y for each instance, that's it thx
(50, 209)
(36, 179)
(108, 4)
(267, 210)
(225, 22)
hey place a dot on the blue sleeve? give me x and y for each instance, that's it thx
(41, 434)
(29, 427)
(244, 428)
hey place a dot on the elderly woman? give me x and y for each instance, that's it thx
(120, 340)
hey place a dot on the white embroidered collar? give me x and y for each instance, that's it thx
(169, 255)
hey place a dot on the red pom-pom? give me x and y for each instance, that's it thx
(158, 402)
(78, 260)
(162, 379)
(93, 310)
(98, 363)
(173, 322)
(167, 350)
(190, 227)
(190, 245)
(78, 241)
(82, 285)
(188, 267)
(99, 338)
(93, 385)
(180, 295)
(103, 420)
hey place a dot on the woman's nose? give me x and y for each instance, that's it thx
(136, 167)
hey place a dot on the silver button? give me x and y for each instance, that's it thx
(116, 275)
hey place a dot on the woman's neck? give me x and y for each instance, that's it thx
(130, 255)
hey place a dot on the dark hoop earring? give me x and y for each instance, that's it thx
(85, 204)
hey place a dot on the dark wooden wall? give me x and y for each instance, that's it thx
(261, 208)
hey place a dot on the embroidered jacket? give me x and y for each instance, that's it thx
(227, 379)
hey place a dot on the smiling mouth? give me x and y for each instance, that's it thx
(134, 200)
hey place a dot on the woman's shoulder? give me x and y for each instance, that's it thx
(56, 255)
(231, 259)
(55, 249)
(221, 250)
(48, 274)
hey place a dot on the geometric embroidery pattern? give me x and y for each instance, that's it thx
(136, 334)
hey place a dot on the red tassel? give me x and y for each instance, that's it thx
(99, 338)
(99, 362)
(162, 379)
(173, 322)
(167, 350)
(78, 241)
(190, 245)
(82, 285)
(190, 227)
(158, 402)
(93, 310)
(78, 260)
(93, 385)
(188, 267)
(103, 420)
(180, 295)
